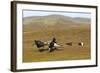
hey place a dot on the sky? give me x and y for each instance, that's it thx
(28, 13)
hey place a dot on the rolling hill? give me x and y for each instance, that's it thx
(54, 21)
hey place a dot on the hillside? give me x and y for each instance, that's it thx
(53, 21)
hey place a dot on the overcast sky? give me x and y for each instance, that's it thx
(28, 13)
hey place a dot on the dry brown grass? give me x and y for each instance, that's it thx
(63, 35)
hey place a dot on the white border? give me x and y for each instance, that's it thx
(34, 65)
